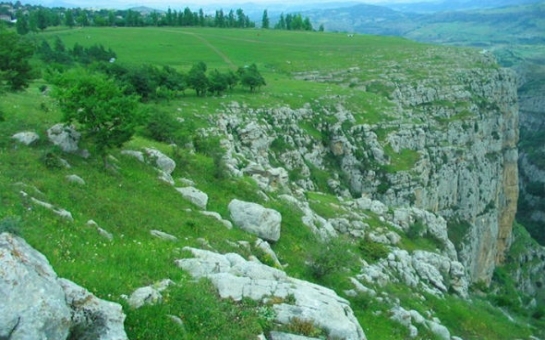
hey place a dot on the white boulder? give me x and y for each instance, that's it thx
(256, 219)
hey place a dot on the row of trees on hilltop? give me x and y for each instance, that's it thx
(148, 81)
(38, 18)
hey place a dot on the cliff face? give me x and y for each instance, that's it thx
(532, 151)
(437, 136)
(467, 166)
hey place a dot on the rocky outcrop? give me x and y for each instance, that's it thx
(237, 278)
(36, 304)
(445, 143)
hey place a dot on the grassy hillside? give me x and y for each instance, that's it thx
(130, 202)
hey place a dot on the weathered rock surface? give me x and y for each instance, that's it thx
(75, 179)
(64, 136)
(195, 196)
(237, 278)
(149, 295)
(164, 164)
(431, 272)
(36, 304)
(26, 137)
(447, 145)
(256, 219)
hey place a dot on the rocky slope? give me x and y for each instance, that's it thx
(447, 145)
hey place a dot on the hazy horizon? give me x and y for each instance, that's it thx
(161, 4)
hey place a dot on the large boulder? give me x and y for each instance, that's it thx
(36, 304)
(256, 219)
(64, 136)
(236, 278)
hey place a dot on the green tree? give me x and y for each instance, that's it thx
(41, 19)
(22, 26)
(69, 18)
(307, 26)
(197, 80)
(281, 24)
(265, 22)
(217, 82)
(15, 54)
(106, 116)
(251, 78)
(232, 79)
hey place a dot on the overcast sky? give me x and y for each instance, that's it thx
(164, 4)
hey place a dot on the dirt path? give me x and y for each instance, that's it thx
(208, 44)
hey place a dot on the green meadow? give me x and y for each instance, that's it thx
(130, 201)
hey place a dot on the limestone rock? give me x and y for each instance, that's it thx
(162, 161)
(266, 248)
(287, 336)
(163, 236)
(441, 331)
(195, 196)
(26, 137)
(256, 219)
(136, 154)
(93, 318)
(59, 211)
(36, 304)
(33, 304)
(64, 136)
(237, 278)
(218, 217)
(102, 232)
(165, 165)
(149, 295)
(75, 179)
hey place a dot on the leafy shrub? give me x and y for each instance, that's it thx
(372, 251)
(457, 230)
(10, 225)
(416, 230)
(330, 257)
(266, 316)
(51, 160)
(161, 127)
(303, 327)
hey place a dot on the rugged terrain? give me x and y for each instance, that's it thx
(368, 192)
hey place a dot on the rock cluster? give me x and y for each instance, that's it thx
(36, 304)
(237, 278)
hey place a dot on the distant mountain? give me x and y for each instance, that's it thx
(454, 5)
(514, 24)
(362, 18)
(145, 10)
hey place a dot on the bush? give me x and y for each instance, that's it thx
(416, 230)
(372, 251)
(330, 257)
(161, 127)
(303, 327)
(10, 225)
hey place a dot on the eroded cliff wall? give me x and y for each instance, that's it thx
(438, 131)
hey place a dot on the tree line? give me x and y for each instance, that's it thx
(103, 97)
(37, 18)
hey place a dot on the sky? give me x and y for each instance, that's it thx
(164, 4)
